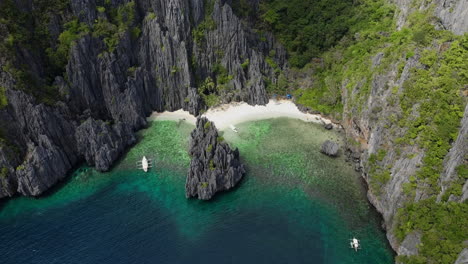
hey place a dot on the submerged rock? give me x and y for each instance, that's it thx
(328, 126)
(330, 148)
(215, 166)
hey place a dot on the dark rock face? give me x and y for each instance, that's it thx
(330, 148)
(328, 126)
(101, 144)
(44, 137)
(214, 167)
(156, 71)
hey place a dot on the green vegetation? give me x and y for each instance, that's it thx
(456, 186)
(3, 98)
(207, 90)
(307, 27)
(118, 21)
(379, 179)
(245, 64)
(131, 71)
(210, 89)
(212, 165)
(207, 125)
(378, 176)
(220, 139)
(199, 32)
(209, 148)
(462, 171)
(108, 32)
(271, 62)
(222, 77)
(207, 24)
(435, 91)
(243, 8)
(3, 173)
(30, 30)
(174, 70)
(204, 184)
(151, 16)
(381, 154)
(444, 227)
(73, 30)
(101, 9)
(349, 62)
(135, 32)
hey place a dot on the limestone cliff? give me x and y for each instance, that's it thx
(162, 56)
(191, 54)
(215, 166)
(375, 125)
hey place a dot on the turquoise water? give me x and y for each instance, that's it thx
(294, 205)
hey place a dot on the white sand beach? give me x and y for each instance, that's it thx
(235, 113)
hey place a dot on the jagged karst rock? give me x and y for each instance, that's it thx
(456, 156)
(452, 14)
(156, 71)
(215, 166)
(101, 144)
(165, 61)
(409, 246)
(463, 257)
(45, 140)
(330, 148)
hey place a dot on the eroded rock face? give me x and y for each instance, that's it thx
(453, 14)
(463, 257)
(215, 166)
(156, 71)
(101, 144)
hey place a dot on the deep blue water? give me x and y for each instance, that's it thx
(286, 215)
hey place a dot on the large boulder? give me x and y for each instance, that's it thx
(330, 148)
(215, 166)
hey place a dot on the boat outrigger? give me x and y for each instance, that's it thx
(144, 164)
(233, 128)
(354, 244)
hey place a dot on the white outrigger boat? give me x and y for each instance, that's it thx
(233, 128)
(144, 164)
(354, 244)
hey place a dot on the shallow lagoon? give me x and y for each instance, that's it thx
(295, 205)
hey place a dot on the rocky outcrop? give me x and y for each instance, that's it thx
(215, 166)
(409, 246)
(463, 257)
(162, 68)
(452, 14)
(457, 156)
(330, 148)
(46, 141)
(375, 129)
(101, 144)
(159, 69)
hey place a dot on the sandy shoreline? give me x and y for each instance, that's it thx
(235, 113)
